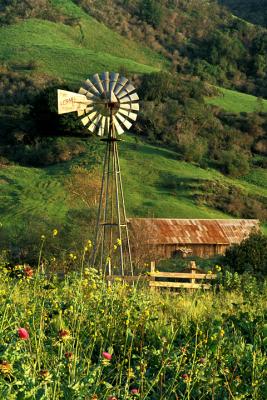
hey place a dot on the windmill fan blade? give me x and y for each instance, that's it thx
(124, 121)
(126, 106)
(123, 93)
(129, 88)
(127, 114)
(113, 80)
(92, 127)
(85, 121)
(129, 97)
(94, 124)
(120, 84)
(102, 126)
(91, 87)
(98, 83)
(105, 79)
(118, 127)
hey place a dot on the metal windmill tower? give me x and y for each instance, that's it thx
(107, 105)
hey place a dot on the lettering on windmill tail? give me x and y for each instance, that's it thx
(67, 101)
(71, 104)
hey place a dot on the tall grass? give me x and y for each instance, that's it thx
(91, 341)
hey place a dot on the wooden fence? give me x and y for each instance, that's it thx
(170, 280)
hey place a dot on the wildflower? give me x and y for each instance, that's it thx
(221, 333)
(5, 367)
(185, 377)
(64, 334)
(202, 360)
(72, 256)
(23, 334)
(89, 244)
(135, 391)
(112, 398)
(53, 259)
(218, 268)
(119, 242)
(55, 232)
(107, 355)
(115, 247)
(43, 237)
(28, 271)
(69, 355)
(95, 397)
(45, 374)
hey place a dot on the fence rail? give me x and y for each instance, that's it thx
(175, 280)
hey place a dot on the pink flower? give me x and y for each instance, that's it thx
(23, 334)
(107, 355)
(135, 391)
(185, 376)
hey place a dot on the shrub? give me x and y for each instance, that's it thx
(249, 256)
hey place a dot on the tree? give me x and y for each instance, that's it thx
(151, 11)
(249, 256)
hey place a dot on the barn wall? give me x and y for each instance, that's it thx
(159, 252)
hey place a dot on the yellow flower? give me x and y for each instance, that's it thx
(55, 232)
(89, 244)
(119, 242)
(218, 268)
(115, 247)
(53, 259)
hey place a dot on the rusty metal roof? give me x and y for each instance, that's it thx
(192, 231)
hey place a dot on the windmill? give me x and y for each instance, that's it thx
(107, 105)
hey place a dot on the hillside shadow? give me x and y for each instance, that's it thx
(151, 151)
(181, 186)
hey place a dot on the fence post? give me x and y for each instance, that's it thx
(152, 271)
(193, 268)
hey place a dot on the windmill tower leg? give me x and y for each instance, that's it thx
(112, 229)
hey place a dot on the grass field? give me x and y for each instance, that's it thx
(237, 102)
(156, 185)
(73, 53)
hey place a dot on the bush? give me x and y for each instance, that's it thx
(151, 11)
(249, 256)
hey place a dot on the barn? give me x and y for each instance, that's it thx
(163, 238)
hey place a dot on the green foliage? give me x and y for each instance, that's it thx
(151, 11)
(250, 256)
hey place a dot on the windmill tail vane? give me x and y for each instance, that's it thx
(107, 105)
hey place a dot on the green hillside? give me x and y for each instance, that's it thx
(156, 184)
(73, 52)
(236, 102)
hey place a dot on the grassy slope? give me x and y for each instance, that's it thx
(61, 50)
(30, 195)
(35, 195)
(233, 101)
